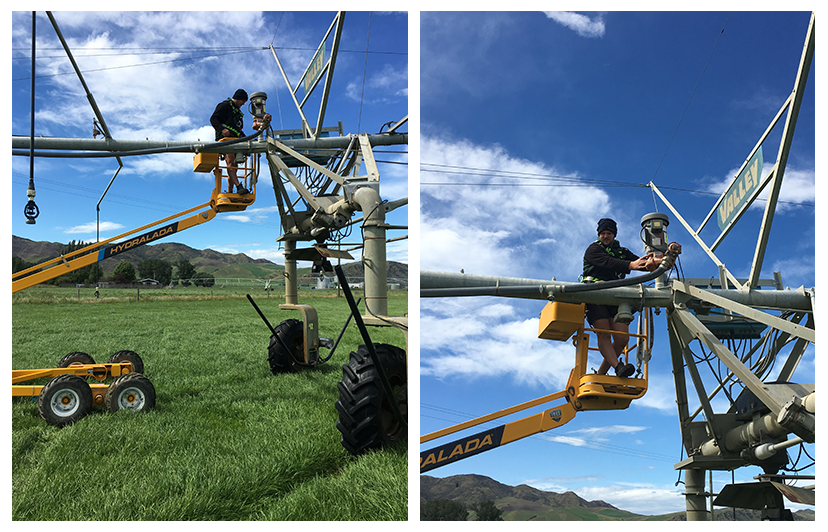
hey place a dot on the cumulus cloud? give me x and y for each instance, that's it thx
(580, 24)
(91, 228)
(798, 186)
(645, 499)
(609, 429)
(469, 222)
(388, 83)
(253, 215)
(274, 255)
(506, 214)
(471, 337)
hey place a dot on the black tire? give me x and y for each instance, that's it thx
(75, 357)
(287, 347)
(366, 415)
(64, 400)
(128, 356)
(131, 391)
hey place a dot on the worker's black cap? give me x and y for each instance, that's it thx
(240, 95)
(607, 224)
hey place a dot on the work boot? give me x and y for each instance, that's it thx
(242, 190)
(624, 370)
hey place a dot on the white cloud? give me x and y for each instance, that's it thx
(155, 77)
(507, 226)
(661, 394)
(473, 337)
(382, 86)
(798, 186)
(450, 245)
(642, 499)
(274, 255)
(610, 429)
(91, 228)
(253, 215)
(568, 440)
(581, 24)
(513, 231)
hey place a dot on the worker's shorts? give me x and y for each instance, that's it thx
(600, 312)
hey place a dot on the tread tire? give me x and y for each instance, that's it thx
(366, 419)
(130, 391)
(289, 333)
(64, 400)
(75, 357)
(126, 355)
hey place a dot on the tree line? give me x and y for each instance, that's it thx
(124, 273)
(449, 510)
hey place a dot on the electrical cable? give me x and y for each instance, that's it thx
(279, 23)
(552, 181)
(177, 60)
(691, 98)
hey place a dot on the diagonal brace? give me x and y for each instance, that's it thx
(698, 330)
(771, 321)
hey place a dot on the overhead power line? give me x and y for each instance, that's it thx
(544, 180)
(176, 60)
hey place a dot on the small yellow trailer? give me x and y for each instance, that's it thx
(77, 384)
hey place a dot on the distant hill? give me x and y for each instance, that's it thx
(208, 260)
(220, 265)
(525, 503)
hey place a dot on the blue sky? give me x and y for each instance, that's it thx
(159, 75)
(611, 101)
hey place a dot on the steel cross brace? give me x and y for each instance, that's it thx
(771, 321)
(693, 327)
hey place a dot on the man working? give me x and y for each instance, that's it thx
(228, 121)
(606, 260)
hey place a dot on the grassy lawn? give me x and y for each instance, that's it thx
(227, 440)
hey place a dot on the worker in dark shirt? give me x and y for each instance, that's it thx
(606, 260)
(228, 121)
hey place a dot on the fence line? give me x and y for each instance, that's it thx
(310, 282)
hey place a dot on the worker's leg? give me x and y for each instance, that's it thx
(605, 345)
(232, 180)
(620, 341)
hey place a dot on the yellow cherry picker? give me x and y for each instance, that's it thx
(69, 394)
(321, 179)
(559, 321)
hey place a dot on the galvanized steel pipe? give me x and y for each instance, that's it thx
(257, 146)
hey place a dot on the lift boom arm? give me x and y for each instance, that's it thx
(102, 250)
(501, 435)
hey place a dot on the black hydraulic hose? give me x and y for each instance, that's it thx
(148, 151)
(341, 334)
(638, 279)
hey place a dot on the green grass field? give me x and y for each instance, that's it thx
(227, 440)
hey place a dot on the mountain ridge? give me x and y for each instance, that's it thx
(207, 260)
(525, 503)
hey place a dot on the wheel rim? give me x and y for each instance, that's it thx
(132, 398)
(65, 403)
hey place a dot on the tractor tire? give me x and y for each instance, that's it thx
(128, 356)
(64, 400)
(366, 415)
(287, 347)
(75, 357)
(130, 391)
